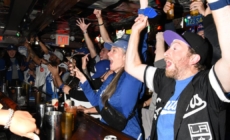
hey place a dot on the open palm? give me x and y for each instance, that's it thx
(81, 24)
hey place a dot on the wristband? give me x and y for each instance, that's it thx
(148, 11)
(85, 32)
(61, 86)
(7, 125)
(218, 4)
(100, 24)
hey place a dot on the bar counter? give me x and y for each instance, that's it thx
(89, 128)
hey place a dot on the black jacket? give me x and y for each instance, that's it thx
(199, 106)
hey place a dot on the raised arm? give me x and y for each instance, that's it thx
(160, 46)
(84, 27)
(57, 79)
(222, 67)
(133, 63)
(43, 46)
(32, 55)
(103, 31)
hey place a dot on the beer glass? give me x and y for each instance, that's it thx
(67, 122)
(170, 12)
(194, 12)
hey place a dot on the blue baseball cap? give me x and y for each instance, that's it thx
(11, 47)
(82, 50)
(121, 42)
(101, 68)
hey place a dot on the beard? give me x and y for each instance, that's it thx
(172, 73)
(54, 63)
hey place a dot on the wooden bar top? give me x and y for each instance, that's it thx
(89, 128)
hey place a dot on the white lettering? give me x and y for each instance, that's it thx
(203, 127)
(193, 130)
(196, 101)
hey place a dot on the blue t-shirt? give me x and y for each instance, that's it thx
(165, 124)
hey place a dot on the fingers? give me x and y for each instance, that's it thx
(32, 136)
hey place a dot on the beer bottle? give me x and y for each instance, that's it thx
(170, 12)
(194, 12)
(7, 102)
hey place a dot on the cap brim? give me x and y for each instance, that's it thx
(97, 75)
(169, 36)
(108, 46)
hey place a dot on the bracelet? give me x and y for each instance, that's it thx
(7, 125)
(218, 4)
(100, 24)
(148, 29)
(85, 32)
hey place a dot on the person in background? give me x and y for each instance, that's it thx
(93, 54)
(102, 71)
(210, 31)
(14, 66)
(20, 123)
(63, 72)
(2, 67)
(82, 51)
(44, 79)
(200, 30)
(29, 74)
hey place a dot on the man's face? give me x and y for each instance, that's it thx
(54, 61)
(104, 54)
(177, 59)
(32, 66)
(11, 53)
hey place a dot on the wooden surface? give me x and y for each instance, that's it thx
(89, 128)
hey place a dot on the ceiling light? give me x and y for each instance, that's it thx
(72, 38)
(52, 36)
(62, 45)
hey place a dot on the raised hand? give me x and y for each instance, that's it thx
(85, 60)
(79, 75)
(70, 67)
(198, 5)
(66, 89)
(159, 36)
(140, 23)
(97, 13)
(53, 70)
(82, 25)
(167, 6)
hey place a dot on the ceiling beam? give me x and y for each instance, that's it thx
(18, 10)
(53, 10)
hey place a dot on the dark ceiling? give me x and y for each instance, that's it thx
(45, 18)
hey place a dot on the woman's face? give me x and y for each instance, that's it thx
(117, 58)
(11, 53)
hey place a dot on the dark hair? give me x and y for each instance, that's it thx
(111, 87)
(17, 56)
(197, 65)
